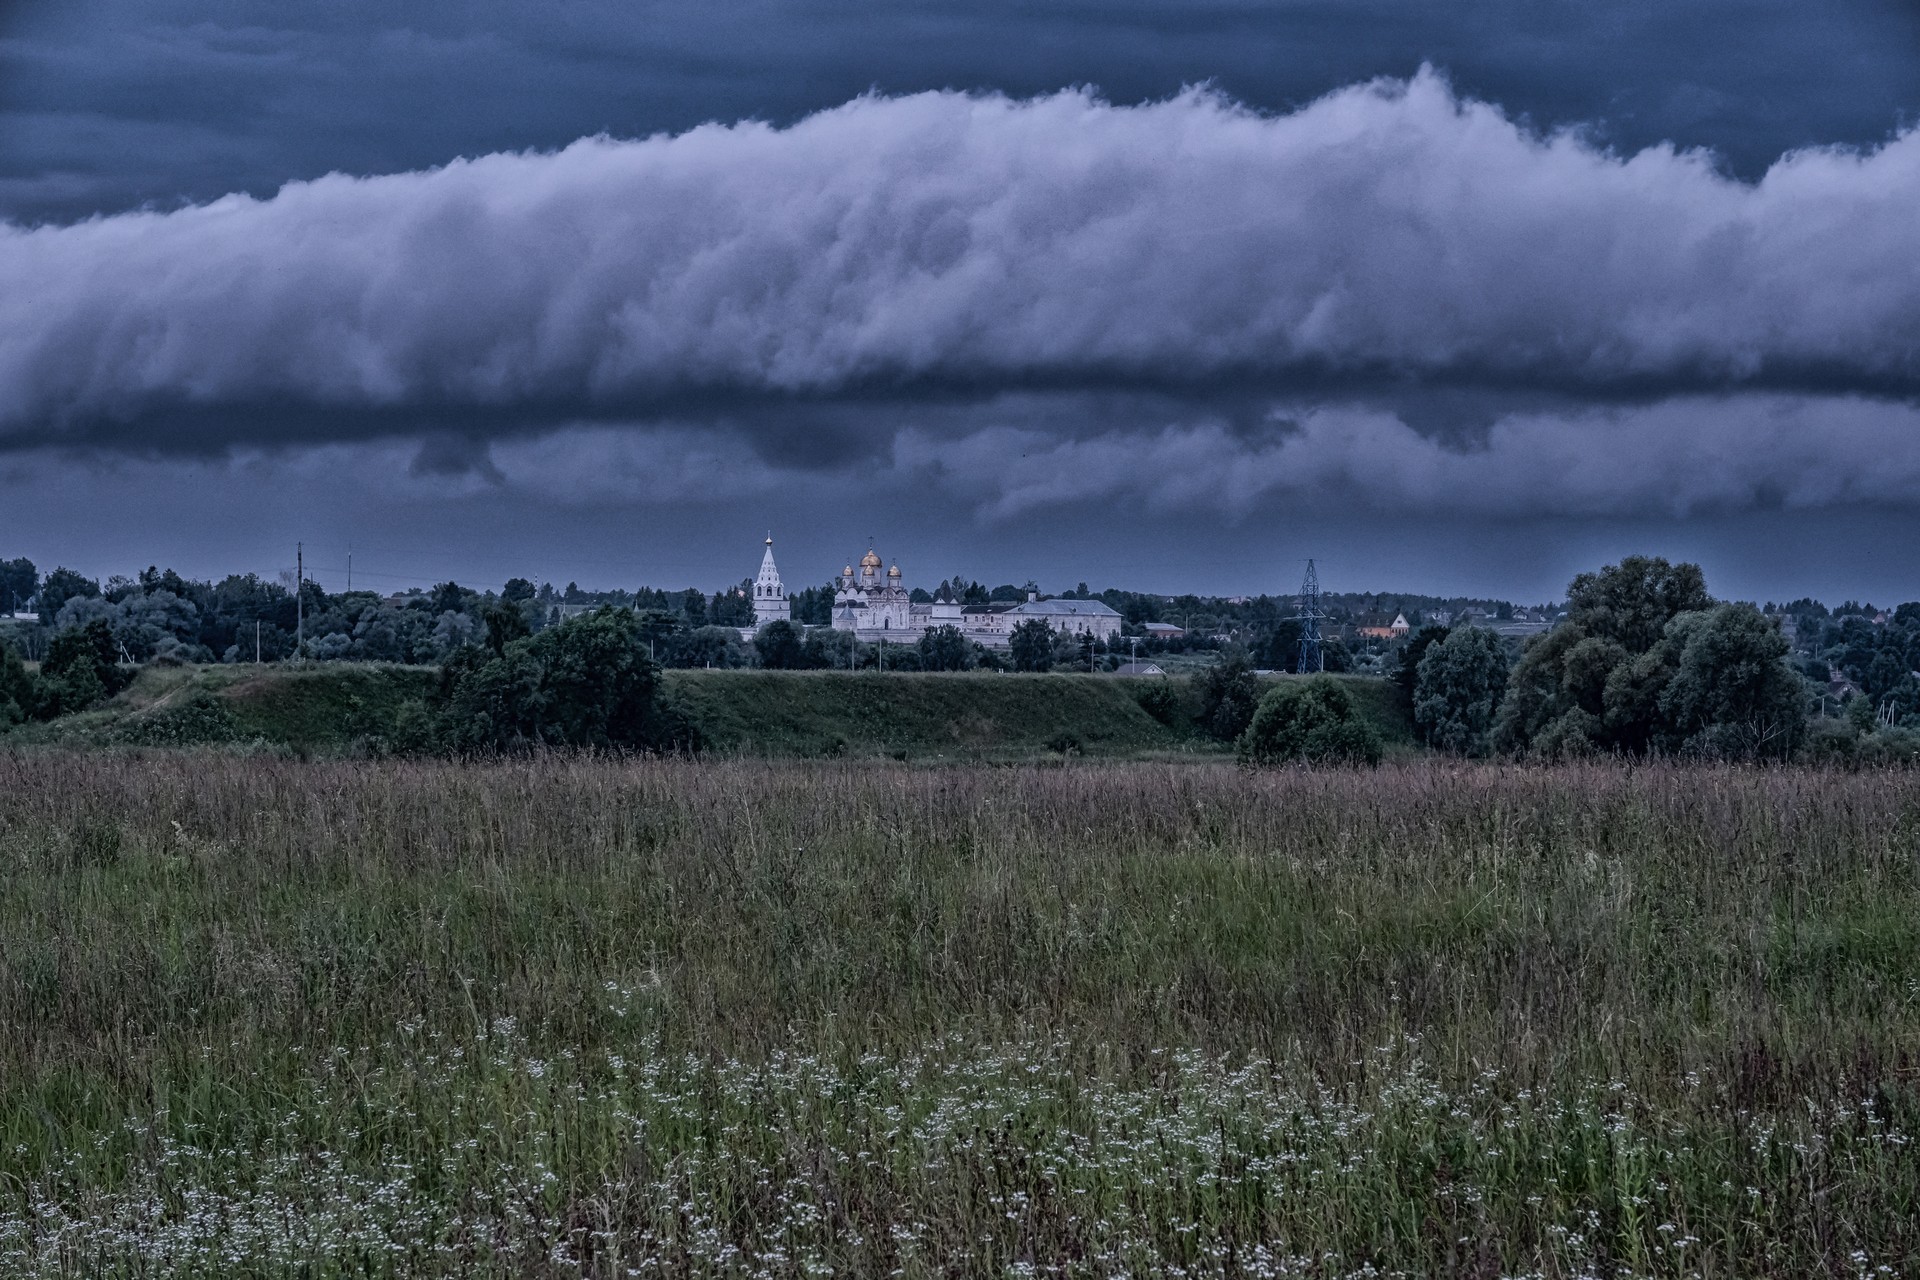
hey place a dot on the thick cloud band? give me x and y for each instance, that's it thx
(1389, 233)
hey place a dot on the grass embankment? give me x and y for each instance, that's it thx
(324, 707)
(912, 714)
(336, 708)
(574, 1018)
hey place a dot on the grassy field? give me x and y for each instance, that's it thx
(593, 1018)
(347, 708)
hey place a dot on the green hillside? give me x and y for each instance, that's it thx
(813, 713)
(344, 707)
(326, 708)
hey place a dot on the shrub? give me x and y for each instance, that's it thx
(200, 717)
(1313, 721)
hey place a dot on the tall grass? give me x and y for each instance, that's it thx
(579, 1017)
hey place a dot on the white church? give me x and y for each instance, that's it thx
(876, 606)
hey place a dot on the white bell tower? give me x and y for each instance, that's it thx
(770, 603)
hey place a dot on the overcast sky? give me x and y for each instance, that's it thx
(1170, 296)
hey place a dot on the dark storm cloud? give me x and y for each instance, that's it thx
(1385, 237)
(108, 103)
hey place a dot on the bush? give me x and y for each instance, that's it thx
(1313, 721)
(200, 717)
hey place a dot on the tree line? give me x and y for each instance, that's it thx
(1645, 662)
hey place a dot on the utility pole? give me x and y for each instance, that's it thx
(349, 568)
(256, 642)
(299, 604)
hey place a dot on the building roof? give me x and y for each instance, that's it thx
(1066, 608)
(1163, 628)
(1139, 669)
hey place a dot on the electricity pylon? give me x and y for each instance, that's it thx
(1309, 619)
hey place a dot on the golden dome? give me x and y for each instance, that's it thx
(847, 572)
(894, 572)
(871, 560)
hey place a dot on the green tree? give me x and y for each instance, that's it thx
(1457, 690)
(1031, 645)
(1228, 692)
(1632, 602)
(517, 591)
(19, 691)
(1279, 649)
(505, 624)
(779, 647)
(1407, 674)
(1312, 720)
(709, 647)
(825, 648)
(1647, 663)
(1731, 693)
(62, 585)
(81, 668)
(18, 581)
(945, 648)
(585, 683)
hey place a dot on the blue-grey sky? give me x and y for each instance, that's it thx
(1171, 295)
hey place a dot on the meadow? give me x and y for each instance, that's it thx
(590, 1017)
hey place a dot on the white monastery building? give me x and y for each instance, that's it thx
(875, 605)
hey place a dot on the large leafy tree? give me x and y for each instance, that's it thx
(1632, 602)
(779, 647)
(1407, 675)
(585, 683)
(18, 581)
(1228, 692)
(1458, 684)
(945, 648)
(62, 585)
(80, 669)
(1646, 662)
(1031, 645)
(1730, 692)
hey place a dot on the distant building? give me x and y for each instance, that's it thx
(875, 605)
(1139, 669)
(1164, 631)
(1378, 629)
